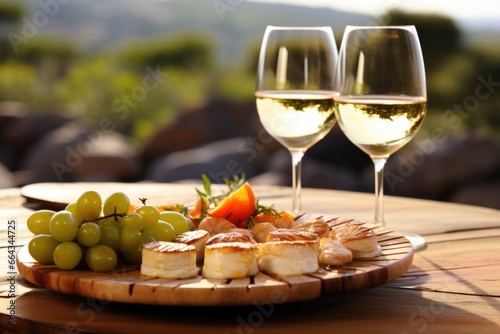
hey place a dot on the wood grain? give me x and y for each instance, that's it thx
(451, 286)
(126, 284)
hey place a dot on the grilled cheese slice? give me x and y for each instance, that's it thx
(285, 258)
(197, 238)
(292, 235)
(169, 260)
(262, 230)
(317, 226)
(229, 237)
(361, 240)
(226, 260)
(333, 253)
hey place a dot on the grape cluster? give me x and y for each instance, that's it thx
(100, 234)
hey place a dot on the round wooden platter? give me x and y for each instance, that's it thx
(126, 284)
(57, 196)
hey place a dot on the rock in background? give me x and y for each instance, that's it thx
(223, 138)
(75, 153)
(465, 168)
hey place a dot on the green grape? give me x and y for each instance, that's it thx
(63, 226)
(191, 225)
(177, 220)
(38, 222)
(88, 206)
(162, 231)
(110, 234)
(110, 222)
(117, 200)
(134, 256)
(67, 255)
(41, 248)
(132, 219)
(71, 207)
(101, 258)
(146, 237)
(130, 239)
(89, 234)
(150, 215)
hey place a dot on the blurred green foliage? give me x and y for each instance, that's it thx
(439, 36)
(52, 74)
(453, 75)
(139, 86)
(188, 51)
(10, 12)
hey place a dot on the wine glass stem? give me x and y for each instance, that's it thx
(379, 163)
(296, 179)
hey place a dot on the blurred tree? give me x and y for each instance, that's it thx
(10, 14)
(32, 67)
(39, 50)
(47, 62)
(439, 36)
(51, 59)
(455, 70)
(187, 51)
(18, 82)
(440, 39)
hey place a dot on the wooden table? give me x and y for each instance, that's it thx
(452, 287)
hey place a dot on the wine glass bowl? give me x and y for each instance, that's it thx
(381, 125)
(294, 91)
(299, 119)
(380, 94)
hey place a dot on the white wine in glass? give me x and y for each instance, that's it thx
(294, 93)
(380, 96)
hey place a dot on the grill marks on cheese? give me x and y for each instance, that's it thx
(169, 260)
(229, 252)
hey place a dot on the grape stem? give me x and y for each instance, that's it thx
(111, 215)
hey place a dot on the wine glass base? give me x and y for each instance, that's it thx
(417, 241)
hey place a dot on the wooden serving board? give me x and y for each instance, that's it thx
(126, 284)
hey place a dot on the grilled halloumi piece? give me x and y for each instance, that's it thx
(288, 257)
(361, 240)
(197, 238)
(294, 235)
(230, 260)
(261, 231)
(333, 253)
(229, 237)
(246, 232)
(291, 235)
(317, 226)
(169, 260)
(372, 253)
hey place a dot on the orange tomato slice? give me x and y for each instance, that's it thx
(196, 210)
(237, 207)
(282, 219)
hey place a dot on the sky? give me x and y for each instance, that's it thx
(459, 9)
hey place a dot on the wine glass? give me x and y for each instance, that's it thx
(380, 96)
(294, 91)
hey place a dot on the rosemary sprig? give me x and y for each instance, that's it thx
(262, 209)
(265, 209)
(232, 185)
